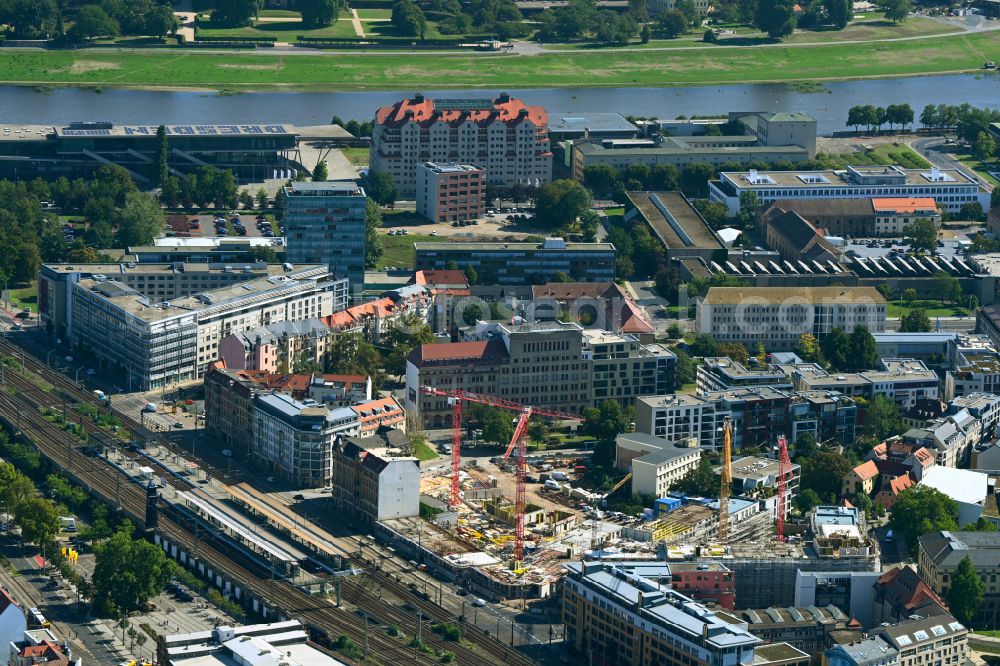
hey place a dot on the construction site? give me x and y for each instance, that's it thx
(500, 535)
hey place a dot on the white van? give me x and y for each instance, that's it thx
(554, 485)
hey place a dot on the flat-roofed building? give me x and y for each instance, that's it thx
(621, 367)
(325, 224)
(521, 263)
(450, 192)
(159, 343)
(722, 373)
(678, 225)
(611, 609)
(894, 214)
(159, 282)
(249, 645)
(906, 381)
(655, 463)
(778, 316)
(589, 124)
(950, 188)
(294, 438)
(679, 152)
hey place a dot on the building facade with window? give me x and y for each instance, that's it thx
(450, 192)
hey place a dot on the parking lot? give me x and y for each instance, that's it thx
(247, 224)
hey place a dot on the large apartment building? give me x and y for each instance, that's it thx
(325, 224)
(939, 554)
(758, 415)
(950, 188)
(625, 613)
(507, 138)
(552, 260)
(158, 343)
(906, 381)
(450, 192)
(376, 478)
(549, 363)
(778, 316)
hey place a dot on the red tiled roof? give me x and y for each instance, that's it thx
(566, 290)
(866, 470)
(450, 278)
(421, 110)
(900, 483)
(460, 351)
(904, 204)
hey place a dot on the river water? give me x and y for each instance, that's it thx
(23, 105)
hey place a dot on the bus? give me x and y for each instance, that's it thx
(37, 619)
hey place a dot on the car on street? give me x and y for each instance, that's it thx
(479, 603)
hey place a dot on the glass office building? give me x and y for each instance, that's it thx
(325, 224)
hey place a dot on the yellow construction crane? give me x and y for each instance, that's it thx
(596, 514)
(620, 484)
(725, 480)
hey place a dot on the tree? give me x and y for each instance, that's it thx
(837, 349)
(985, 147)
(162, 153)
(864, 351)
(128, 572)
(704, 345)
(607, 421)
(823, 471)
(701, 481)
(381, 187)
(921, 510)
(91, 22)
(246, 199)
(645, 34)
(558, 204)
(38, 519)
(160, 21)
(408, 333)
(408, 19)
(915, 321)
(351, 354)
(495, 423)
(808, 349)
(15, 487)
(373, 241)
(921, 236)
(262, 199)
(839, 12)
(882, 418)
(673, 24)
(965, 594)
(601, 178)
(945, 286)
(909, 295)
(749, 204)
(972, 211)
(775, 17)
(807, 500)
(733, 350)
(64, 492)
(471, 314)
(897, 10)
(140, 220)
(237, 12)
(30, 18)
(885, 290)
(304, 363)
(686, 369)
(694, 179)
(320, 172)
(806, 445)
(319, 12)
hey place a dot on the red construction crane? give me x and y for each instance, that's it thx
(784, 472)
(456, 397)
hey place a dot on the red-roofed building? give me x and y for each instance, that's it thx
(447, 288)
(503, 136)
(859, 480)
(381, 413)
(900, 592)
(606, 303)
(891, 490)
(893, 214)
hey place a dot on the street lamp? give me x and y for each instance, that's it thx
(48, 357)
(4, 292)
(78, 373)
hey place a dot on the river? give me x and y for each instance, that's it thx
(24, 105)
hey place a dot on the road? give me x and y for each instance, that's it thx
(933, 149)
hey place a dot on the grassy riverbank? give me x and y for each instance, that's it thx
(380, 71)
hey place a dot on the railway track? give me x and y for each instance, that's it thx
(326, 620)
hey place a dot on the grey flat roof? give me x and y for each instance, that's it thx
(594, 122)
(336, 187)
(686, 220)
(471, 246)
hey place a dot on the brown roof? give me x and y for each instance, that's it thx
(566, 290)
(866, 470)
(422, 110)
(491, 351)
(444, 278)
(812, 208)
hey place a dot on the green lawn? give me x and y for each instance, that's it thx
(423, 451)
(374, 14)
(896, 309)
(867, 30)
(352, 71)
(885, 153)
(356, 155)
(279, 13)
(977, 166)
(399, 249)
(23, 298)
(283, 31)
